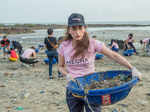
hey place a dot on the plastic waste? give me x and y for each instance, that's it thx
(19, 108)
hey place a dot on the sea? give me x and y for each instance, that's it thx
(147, 22)
(61, 32)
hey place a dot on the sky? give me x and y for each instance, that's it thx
(47, 11)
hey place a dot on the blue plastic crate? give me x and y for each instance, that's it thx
(99, 56)
(37, 50)
(46, 51)
(128, 52)
(46, 60)
(102, 96)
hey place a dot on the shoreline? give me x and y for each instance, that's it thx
(29, 28)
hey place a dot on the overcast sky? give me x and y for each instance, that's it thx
(59, 10)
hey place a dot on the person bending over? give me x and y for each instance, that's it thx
(29, 56)
(146, 44)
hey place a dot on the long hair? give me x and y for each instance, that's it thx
(81, 46)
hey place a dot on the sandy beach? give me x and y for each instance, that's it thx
(29, 87)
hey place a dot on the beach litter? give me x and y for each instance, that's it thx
(2, 86)
(109, 83)
(6, 73)
(19, 108)
(148, 94)
(41, 92)
(115, 110)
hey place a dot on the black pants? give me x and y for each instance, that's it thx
(20, 51)
(28, 61)
(131, 45)
(77, 104)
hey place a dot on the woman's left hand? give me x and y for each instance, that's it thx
(136, 73)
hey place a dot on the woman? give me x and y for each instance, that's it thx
(146, 43)
(77, 56)
(129, 43)
(114, 46)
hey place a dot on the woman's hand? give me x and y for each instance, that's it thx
(135, 72)
(69, 77)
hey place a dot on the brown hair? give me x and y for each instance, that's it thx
(32, 47)
(81, 46)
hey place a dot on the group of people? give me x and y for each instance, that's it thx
(76, 54)
(13, 50)
(129, 44)
(8, 49)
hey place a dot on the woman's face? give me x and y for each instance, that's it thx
(77, 32)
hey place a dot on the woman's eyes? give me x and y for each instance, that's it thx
(80, 27)
(76, 28)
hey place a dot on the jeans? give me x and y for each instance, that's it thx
(132, 46)
(148, 47)
(77, 104)
(51, 55)
(115, 49)
(20, 51)
(5, 49)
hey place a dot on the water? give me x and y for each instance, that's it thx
(41, 34)
(119, 28)
(87, 22)
(121, 22)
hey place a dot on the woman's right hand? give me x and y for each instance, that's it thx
(69, 77)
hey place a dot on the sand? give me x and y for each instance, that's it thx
(30, 89)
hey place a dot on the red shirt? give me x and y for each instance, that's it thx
(5, 42)
(13, 54)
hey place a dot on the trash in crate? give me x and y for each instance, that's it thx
(104, 88)
(108, 83)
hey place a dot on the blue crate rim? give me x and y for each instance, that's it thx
(125, 86)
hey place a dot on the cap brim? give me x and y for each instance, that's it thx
(76, 24)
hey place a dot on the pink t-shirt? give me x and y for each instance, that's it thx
(146, 40)
(130, 40)
(114, 44)
(80, 66)
(27, 53)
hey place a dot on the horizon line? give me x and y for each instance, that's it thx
(62, 22)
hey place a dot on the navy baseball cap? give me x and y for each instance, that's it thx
(76, 19)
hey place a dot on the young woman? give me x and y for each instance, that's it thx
(129, 43)
(114, 46)
(146, 43)
(77, 56)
